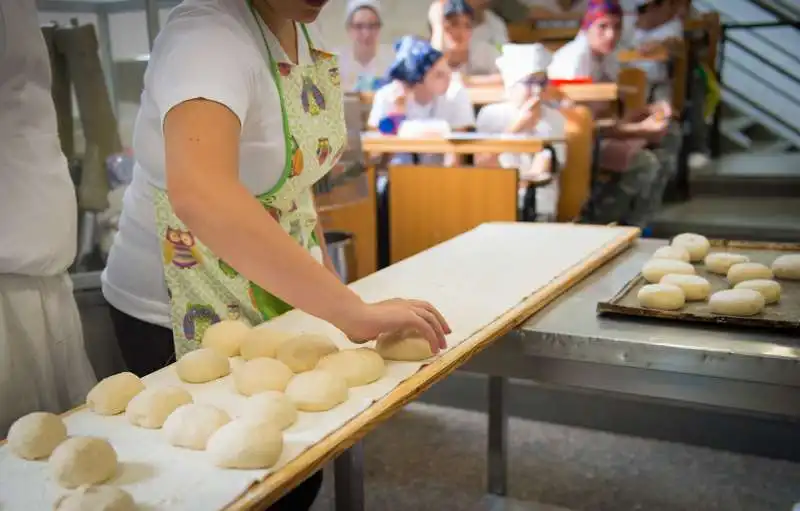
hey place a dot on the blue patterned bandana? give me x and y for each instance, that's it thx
(413, 59)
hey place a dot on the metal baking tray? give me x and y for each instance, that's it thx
(783, 315)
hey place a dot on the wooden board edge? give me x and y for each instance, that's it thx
(270, 489)
(755, 245)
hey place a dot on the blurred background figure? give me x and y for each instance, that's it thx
(363, 62)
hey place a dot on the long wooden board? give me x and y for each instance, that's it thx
(783, 315)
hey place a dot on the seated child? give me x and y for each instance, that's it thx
(421, 89)
(363, 62)
(523, 67)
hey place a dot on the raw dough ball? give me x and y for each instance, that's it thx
(261, 374)
(151, 407)
(317, 391)
(670, 252)
(655, 269)
(83, 460)
(721, 262)
(358, 366)
(225, 337)
(666, 297)
(111, 395)
(769, 289)
(737, 302)
(694, 287)
(96, 498)
(246, 444)
(271, 406)
(34, 436)
(696, 244)
(262, 342)
(787, 267)
(748, 271)
(304, 351)
(403, 346)
(191, 425)
(203, 365)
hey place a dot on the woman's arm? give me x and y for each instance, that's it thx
(202, 160)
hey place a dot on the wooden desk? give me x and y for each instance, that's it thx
(374, 142)
(633, 56)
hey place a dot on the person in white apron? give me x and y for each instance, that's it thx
(241, 114)
(637, 157)
(43, 361)
(363, 62)
(524, 70)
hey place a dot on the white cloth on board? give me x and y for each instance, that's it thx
(43, 362)
(38, 207)
(208, 49)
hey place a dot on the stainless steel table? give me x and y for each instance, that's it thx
(567, 344)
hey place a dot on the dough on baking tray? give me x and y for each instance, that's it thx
(666, 297)
(408, 346)
(697, 245)
(261, 374)
(83, 460)
(34, 436)
(111, 395)
(748, 271)
(225, 337)
(721, 262)
(96, 498)
(787, 267)
(302, 353)
(151, 407)
(317, 391)
(769, 289)
(271, 406)
(655, 269)
(359, 366)
(670, 252)
(694, 287)
(201, 366)
(263, 342)
(190, 426)
(737, 302)
(246, 444)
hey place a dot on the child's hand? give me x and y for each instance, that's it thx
(529, 114)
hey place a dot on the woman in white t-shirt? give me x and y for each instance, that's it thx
(488, 27)
(241, 115)
(363, 63)
(524, 70)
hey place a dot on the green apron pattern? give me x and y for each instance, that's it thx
(204, 289)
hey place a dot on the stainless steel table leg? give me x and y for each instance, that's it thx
(496, 455)
(348, 475)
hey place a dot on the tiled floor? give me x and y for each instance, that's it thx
(432, 458)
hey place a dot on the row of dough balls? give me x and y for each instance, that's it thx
(76, 463)
(673, 279)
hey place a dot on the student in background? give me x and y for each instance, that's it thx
(363, 63)
(488, 27)
(452, 32)
(556, 13)
(632, 180)
(524, 71)
(421, 89)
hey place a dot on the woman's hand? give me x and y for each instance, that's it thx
(373, 319)
(654, 128)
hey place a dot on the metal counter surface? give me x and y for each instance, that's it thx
(570, 329)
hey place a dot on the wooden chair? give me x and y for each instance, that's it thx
(575, 180)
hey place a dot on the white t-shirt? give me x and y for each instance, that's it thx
(575, 60)
(38, 209)
(492, 31)
(358, 77)
(208, 49)
(657, 72)
(496, 118)
(482, 59)
(454, 106)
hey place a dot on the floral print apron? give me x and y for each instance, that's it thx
(204, 289)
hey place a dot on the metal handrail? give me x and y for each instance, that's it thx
(725, 28)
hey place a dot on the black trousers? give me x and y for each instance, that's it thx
(146, 348)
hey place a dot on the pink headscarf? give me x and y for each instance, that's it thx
(598, 9)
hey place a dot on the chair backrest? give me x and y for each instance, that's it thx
(576, 176)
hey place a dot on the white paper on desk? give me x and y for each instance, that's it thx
(473, 279)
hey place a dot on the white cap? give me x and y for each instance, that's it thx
(354, 5)
(522, 60)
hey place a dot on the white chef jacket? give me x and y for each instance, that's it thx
(38, 208)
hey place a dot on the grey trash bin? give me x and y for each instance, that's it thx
(342, 253)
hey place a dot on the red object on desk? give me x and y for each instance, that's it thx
(572, 81)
